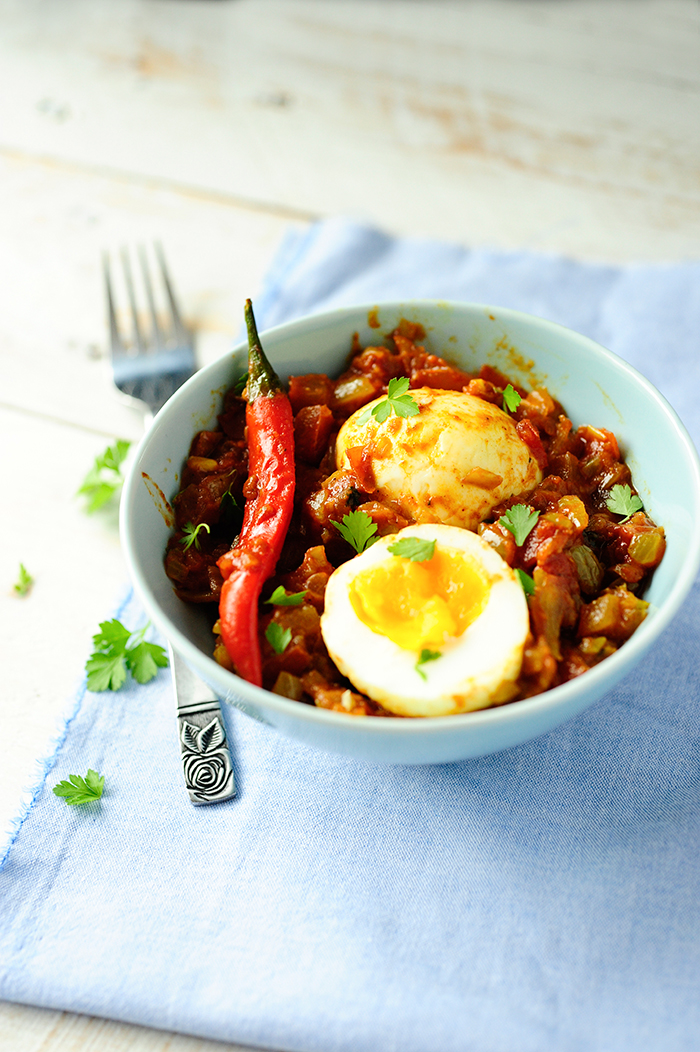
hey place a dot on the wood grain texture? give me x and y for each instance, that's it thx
(53, 326)
(26, 1029)
(566, 126)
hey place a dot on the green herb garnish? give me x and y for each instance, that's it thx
(526, 581)
(118, 649)
(622, 501)
(24, 582)
(282, 598)
(240, 383)
(278, 637)
(104, 479)
(520, 520)
(358, 529)
(511, 398)
(397, 401)
(425, 656)
(81, 790)
(190, 531)
(414, 548)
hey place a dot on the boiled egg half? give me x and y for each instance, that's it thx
(433, 635)
(452, 462)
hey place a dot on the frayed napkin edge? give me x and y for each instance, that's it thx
(44, 764)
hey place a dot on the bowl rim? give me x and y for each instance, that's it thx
(612, 669)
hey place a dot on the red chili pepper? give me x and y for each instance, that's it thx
(247, 566)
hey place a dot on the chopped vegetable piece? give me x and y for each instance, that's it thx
(281, 598)
(413, 548)
(279, 638)
(118, 649)
(647, 548)
(24, 582)
(240, 383)
(397, 401)
(520, 520)
(425, 656)
(622, 501)
(358, 529)
(267, 515)
(288, 686)
(615, 614)
(191, 534)
(104, 479)
(511, 399)
(81, 790)
(526, 581)
(588, 567)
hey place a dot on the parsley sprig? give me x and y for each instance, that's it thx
(117, 649)
(511, 399)
(520, 520)
(414, 548)
(425, 656)
(282, 598)
(79, 790)
(24, 582)
(358, 529)
(279, 638)
(104, 479)
(397, 401)
(526, 581)
(191, 533)
(622, 501)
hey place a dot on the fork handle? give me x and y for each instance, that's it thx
(206, 759)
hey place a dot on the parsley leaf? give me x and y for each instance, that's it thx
(81, 790)
(425, 656)
(24, 582)
(144, 660)
(520, 520)
(278, 637)
(358, 529)
(190, 531)
(281, 598)
(526, 581)
(240, 384)
(413, 548)
(397, 401)
(104, 479)
(118, 649)
(511, 398)
(622, 501)
(105, 672)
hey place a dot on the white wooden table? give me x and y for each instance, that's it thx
(212, 125)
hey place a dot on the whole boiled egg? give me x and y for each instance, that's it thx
(429, 621)
(454, 461)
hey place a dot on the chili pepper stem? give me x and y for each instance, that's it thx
(262, 378)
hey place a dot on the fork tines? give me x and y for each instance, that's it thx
(159, 356)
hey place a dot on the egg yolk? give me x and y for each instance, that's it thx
(420, 604)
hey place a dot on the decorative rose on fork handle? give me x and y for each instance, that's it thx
(208, 772)
(206, 759)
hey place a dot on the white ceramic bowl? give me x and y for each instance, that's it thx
(595, 387)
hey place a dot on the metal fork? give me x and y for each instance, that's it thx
(148, 370)
(151, 365)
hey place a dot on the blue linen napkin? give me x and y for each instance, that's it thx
(545, 898)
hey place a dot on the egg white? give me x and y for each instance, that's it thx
(477, 669)
(424, 464)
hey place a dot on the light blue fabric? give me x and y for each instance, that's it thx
(546, 899)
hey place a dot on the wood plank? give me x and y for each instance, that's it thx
(569, 127)
(54, 224)
(26, 1029)
(47, 635)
